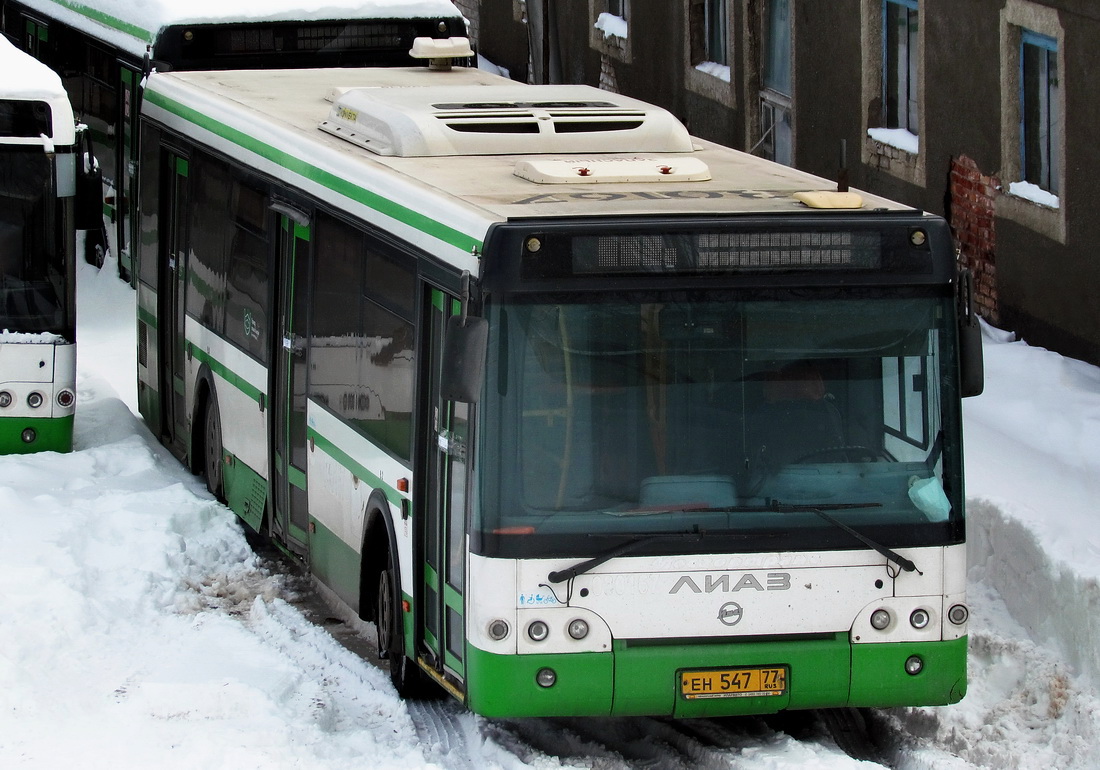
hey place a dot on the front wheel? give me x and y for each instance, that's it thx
(406, 677)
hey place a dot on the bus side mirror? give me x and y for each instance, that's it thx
(971, 361)
(89, 186)
(464, 350)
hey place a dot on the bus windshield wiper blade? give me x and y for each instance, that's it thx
(889, 553)
(587, 565)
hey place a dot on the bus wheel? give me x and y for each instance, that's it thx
(212, 450)
(391, 634)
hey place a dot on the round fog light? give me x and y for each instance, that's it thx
(498, 629)
(578, 629)
(538, 631)
(958, 614)
(914, 665)
(546, 677)
(880, 619)
(919, 619)
(5, 399)
(28, 435)
(34, 400)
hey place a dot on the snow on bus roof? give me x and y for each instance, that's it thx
(133, 24)
(24, 77)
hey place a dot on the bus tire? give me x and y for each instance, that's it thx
(404, 673)
(212, 461)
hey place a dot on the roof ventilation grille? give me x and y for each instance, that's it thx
(501, 120)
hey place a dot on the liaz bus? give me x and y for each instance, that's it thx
(103, 48)
(38, 181)
(590, 416)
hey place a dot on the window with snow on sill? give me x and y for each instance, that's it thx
(900, 138)
(1034, 193)
(611, 25)
(720, 71)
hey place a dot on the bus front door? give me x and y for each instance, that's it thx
(288, 424)
(445, 490)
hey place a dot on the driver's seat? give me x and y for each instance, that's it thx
(797, 420)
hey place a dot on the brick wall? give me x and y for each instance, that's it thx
(970, 215)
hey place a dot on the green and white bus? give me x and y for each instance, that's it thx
(590, 416)
(103, 49)
(38, 181)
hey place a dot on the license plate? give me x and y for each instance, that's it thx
(733, 682)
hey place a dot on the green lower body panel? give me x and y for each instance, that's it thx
(879, 677)
(245, 492)
(638, 679)
(334, 562)
(47, 434)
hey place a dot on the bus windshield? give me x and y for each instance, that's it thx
(742, 420)
(31, 264)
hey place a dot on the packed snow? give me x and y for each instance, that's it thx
(900, 138)
(141, 631)
(131, 25)
(1034, 193)
(25, 77)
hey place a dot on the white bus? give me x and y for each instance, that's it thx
(103, 48)
(590, 416)
(38, 182)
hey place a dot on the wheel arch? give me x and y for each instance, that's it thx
(379, 539)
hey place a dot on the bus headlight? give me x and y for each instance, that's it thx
(880, 619)
(538, 631)
(919, 619)
(28, 435)
(958, 614)
(5, 399)
(578, 629)
(546, 677)
(914, 665)
(65, 399)
(34, 400)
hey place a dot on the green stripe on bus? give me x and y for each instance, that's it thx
(220, 369)
(354, 467)
(107, 20)
(372, 200)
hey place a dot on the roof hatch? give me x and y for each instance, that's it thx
(427, 121)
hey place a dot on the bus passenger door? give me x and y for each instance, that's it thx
(172, 291)
(126, 162)
(290, 520)
(445, 492)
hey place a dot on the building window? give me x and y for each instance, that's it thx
(900, 47)
(717, 23)
(893, 89)
(610, 35)
(710, 49)
(1033, 112)
(776, 134)
(1040, 119)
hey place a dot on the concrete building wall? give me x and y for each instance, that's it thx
(1037, 267)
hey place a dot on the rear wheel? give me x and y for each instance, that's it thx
(213, 463)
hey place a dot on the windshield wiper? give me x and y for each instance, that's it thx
(889, 553)
(588, 565)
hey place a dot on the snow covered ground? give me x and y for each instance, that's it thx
(137, 628)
